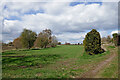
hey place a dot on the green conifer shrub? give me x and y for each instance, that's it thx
(92, 42)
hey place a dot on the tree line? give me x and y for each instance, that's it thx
(29, 39)
(92, 41)
(115, 39)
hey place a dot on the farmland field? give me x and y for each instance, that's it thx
(64, 61)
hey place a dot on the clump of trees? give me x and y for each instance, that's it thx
(7, 46)
(17, 43)
(67, 43)
(59, 43)
(41, 41)
(29, 39)
(116, 39)
(10, 44)
(92, 42)
(109, 39)
(45, 39)
(54, 41)
(106, 40)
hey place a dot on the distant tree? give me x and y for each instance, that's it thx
(45, 39)
(116, 39)
(92, 42)
(48, 33)
(54, 41)
(104, 40)
(17, 43)
(59, 43)
(4, 44)
(81, 43)
(109, 39)
(10, 44)
(67, 43)
(28, 37)
(42, 40)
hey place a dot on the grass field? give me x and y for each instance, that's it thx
(65, 61)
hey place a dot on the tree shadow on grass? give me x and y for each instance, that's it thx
(29, 61)
(6, 53)
(87, 56)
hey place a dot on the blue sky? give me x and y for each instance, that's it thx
(86, 3)
(69, 21)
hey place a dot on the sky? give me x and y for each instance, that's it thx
(69, 21)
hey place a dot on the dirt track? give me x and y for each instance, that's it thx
(94, 71)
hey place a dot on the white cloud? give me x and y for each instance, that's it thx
(104, 33)
(19, 8)
(71, 37)
(117, 31)
(1, 19)
(64, 20)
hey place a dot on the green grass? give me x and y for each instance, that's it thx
(61, 62)
(111, 71)
(111, 46)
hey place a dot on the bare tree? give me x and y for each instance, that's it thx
(17, 43)
(54, 41)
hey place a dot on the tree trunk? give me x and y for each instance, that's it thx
(45, 46)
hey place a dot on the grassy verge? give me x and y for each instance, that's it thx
(110, 70)
(111, 46)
